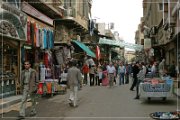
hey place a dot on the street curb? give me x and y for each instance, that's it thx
(176, 92)
(9, 103)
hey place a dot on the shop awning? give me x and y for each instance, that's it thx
(85, 48)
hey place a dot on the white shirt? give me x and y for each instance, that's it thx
(111, 69)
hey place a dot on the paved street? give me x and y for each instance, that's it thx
(99, 102)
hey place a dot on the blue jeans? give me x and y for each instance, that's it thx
(121, 78)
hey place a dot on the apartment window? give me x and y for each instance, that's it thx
(142, 41)
(160, 6)
(67, 3)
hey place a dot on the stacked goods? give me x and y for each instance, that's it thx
(62, 88)
(166, 115)
(153, 80)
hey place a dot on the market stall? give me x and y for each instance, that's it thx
(51, 87)
(156, 88)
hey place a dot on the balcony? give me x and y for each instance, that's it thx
(47, 7)
(170, 22)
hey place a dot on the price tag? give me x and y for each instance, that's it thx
(7, 83)
(2, 84)
(12, 82)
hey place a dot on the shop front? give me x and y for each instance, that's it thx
(13, 34)
(38, 48)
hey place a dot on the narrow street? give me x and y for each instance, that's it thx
(99, 102)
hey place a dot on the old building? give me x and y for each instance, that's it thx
(158, 27)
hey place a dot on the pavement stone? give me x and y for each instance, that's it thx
(13, 101)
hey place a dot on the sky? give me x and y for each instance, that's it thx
(125, 14)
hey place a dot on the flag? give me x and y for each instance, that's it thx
(98, 53)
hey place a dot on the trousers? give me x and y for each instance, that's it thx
(24, 101)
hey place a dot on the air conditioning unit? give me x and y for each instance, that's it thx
(70, 12)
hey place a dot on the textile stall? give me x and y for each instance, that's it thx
(156, 88)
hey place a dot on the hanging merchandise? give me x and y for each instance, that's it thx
(42, 72)
(49, 87)
(48, 73)
(28, 32)
(67, 53)
(40, 88)
(57, 73)
(59, 55)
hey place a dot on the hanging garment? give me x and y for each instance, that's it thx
(42, 72)
(44, 38)
(40, 88)
(37, 38)
(51, 40)
(46, 59)
(48, 73)
(41, 38)
(35, 29)
(49, 87)
(44, 88)
(28, 32)
(59, 56)
(67, 53)
(32, 34)
(57, 69)
(50, 61)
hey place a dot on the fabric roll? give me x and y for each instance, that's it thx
(28, 32)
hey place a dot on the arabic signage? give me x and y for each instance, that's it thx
(120, 44)
(13, 22)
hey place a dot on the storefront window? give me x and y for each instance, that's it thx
(8, 68)
(8, 60)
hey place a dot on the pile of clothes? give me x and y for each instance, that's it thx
(166, 115)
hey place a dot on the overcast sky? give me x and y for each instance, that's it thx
(126, 15)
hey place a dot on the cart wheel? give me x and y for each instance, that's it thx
(164, 98)
(149, 98)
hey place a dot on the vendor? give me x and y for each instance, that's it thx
(161, 68)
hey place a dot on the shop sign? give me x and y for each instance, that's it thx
(120, 44)
(35, 13)
(13, 22)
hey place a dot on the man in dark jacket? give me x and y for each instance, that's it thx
(29, 85)
(135, 70)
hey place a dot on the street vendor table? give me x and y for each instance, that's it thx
(48, 86)
(161, 90)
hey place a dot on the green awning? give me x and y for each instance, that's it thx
(85, 48)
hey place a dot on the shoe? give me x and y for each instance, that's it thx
(21, 117)
(75, 106)
(71, 105)
(32, 114)
(131, 89)
(136, 98)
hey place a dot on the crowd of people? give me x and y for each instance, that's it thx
(104, 74)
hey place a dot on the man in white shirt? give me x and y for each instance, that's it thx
(111, 73)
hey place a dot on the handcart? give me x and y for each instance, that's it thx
(156, 88)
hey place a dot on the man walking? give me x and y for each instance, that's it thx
(111, 73)
(29, 85)
(73, 78)
(135, 71)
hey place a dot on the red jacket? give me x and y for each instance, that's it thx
(85, 69)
